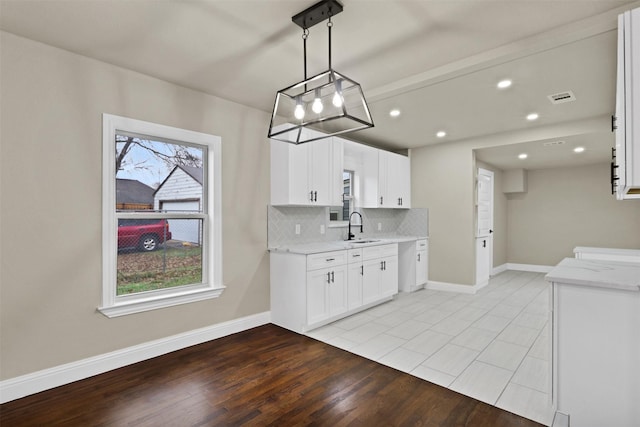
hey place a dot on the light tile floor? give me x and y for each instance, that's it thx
(493, 346)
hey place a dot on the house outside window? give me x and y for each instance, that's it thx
(162, 221)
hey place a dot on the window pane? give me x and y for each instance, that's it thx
(158, 253)
(341, 213)
(158, 175)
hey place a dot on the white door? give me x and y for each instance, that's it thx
(484, 233)
(186, 230)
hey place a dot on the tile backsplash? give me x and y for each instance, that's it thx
(282, 221)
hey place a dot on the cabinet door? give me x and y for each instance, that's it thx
(338, 291)
(317, 295)
(369, 179)
(385, 198)
(389, 276)
(319, 172)
(299, 175)
(404, 181)
(421, 267)
(371, 281)
(337, 167)
(398, 181)
(354, 285)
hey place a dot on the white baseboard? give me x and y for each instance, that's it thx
(24, 385)
(451, 287)
(499, 269)
(530, 267)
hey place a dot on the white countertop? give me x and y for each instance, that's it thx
(597, 273)
(341, 245)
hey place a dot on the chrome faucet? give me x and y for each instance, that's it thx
(351, 236)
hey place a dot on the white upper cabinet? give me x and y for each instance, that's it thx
(625, 174)
(311, 174)
(391, 180)
(306, 174)
(396, 179)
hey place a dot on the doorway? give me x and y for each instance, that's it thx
(484, 229)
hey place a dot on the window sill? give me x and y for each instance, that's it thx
(152, 303)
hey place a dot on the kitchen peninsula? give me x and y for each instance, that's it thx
(596, 341)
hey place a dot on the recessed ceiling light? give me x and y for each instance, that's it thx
(441, 134)
(532, 116)
(578, 149)
(523, 156)
(503, 84)
(394, 113)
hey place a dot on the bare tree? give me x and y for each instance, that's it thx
(178, 155)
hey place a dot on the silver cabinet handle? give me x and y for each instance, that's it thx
(362, 270)
(328, 277)
(330, 259)
(418, 257)
(333, 278)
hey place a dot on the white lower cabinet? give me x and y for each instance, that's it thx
(413, 265)
(355, 277)
(308, 291)
(326, 293)
(380, 272)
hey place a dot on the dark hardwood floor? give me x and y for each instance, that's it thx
(263, 376)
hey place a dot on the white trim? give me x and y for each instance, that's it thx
(499, 269)
(160, 301)
(451, 287)
(212, 285)
(530, 267)
(24, 385)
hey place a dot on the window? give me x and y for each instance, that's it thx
(341, 213)
(162, 242)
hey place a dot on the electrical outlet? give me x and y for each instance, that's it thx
(321, 228)
(379, 226)
(297, 228)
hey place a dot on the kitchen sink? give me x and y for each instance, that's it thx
(358, 242)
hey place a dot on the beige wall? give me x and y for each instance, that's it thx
(443, 180)
(50, 217)
(568, 207)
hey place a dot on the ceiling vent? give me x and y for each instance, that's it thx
(553, 143)
(562, 97)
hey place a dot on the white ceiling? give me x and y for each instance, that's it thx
(437, 61)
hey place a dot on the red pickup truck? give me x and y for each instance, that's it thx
(143, 234)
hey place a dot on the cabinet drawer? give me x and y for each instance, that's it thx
(373, 252)
(326, 259)
(421, 244)
(354, 255)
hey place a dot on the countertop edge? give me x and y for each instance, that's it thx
(597, 273)
(319, 247)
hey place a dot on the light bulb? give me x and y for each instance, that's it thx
(317, 105)
(299, 111)
(337, 97)
(337, 100)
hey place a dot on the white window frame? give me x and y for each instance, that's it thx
(352, 201)
(211, 287)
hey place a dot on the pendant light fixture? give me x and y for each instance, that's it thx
(321, 106)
